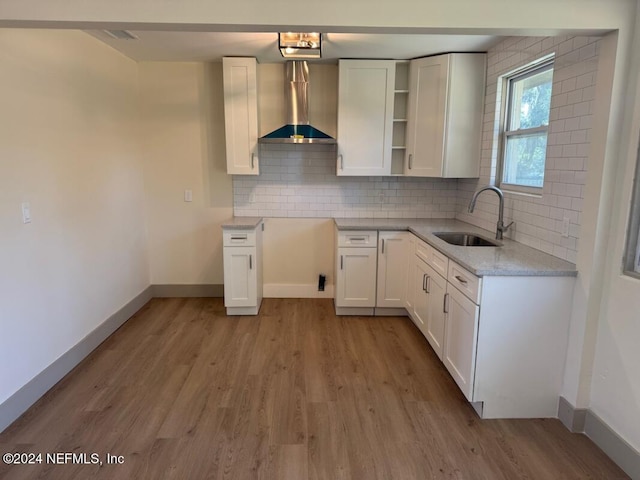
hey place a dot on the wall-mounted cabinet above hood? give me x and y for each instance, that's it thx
(297, 129)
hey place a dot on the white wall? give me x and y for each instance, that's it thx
(184, 148)
(296, 251)
(615, 384)
(68, 145)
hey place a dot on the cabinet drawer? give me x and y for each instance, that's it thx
(358, 238)
(239, 238)
(436, 260)
(464, 281)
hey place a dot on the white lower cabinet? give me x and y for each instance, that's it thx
(356, 277)
(371, 270)
(436, 288)
(420, 310)
(242, 262)
(410, 283)
(460, 339)
(503, 339)
(392, 269)
(428, 311)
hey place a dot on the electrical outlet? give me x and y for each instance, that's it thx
(565, 227)
(322, 278)
(188, 196)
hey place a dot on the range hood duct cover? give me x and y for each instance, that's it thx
(297, 129)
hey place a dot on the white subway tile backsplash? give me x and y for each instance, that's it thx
(300, 181)
(539, 218)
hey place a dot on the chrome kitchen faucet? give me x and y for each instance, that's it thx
(500, 228)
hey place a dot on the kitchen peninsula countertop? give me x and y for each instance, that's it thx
(242, 223)
(509, 259)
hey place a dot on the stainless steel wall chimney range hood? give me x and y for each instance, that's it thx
(297, 129)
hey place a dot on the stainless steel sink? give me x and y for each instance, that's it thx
(466, 239)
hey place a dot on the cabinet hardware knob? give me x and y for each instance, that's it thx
(410, 161)
(250, 262)
(357, 239)
(243, 237)
(341, 263)
(383, 246)
(461, 279)
(424, 281)
(252, 161)
(428, 284)
(341, 161)
(445, 307)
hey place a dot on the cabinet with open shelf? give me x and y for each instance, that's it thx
(400, 94)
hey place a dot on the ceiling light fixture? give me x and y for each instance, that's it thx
(300, 45)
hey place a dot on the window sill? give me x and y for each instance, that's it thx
(631, 273)
(530, 194)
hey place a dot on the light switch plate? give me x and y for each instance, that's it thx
(26, 212)
(188, 196)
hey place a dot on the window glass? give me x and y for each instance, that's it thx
(526, 125)
(531, 99)
(524, 160)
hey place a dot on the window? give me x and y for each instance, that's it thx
(526, 121)
(632, 258)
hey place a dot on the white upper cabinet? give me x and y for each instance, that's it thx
(444, 117)
(365, 116)
(241, 115)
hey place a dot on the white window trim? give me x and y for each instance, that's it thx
(631, 263)
(519, 73)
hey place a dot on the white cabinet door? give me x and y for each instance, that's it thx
(356, 277)
(426, 112)
(460, 339)
(420, 297)
(392, 269)
(411, 275)
(365, 116)
(241, 115)
(444, 118)
(240, 277)
(436, 287)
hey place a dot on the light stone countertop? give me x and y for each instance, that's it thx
(241, 223)
(510, 259)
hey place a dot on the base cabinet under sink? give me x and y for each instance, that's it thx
(503, 339)
(460, 339)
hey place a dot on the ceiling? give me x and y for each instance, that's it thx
(212, 46)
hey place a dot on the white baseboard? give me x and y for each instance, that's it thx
(30, 393)
(278, 290)
(583, 420)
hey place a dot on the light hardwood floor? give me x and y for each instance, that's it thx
(183, 391)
